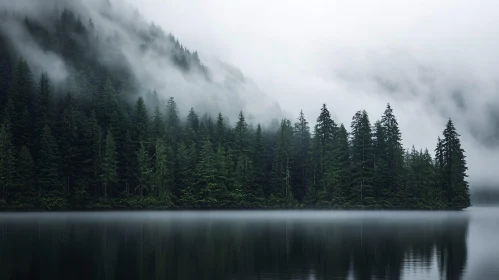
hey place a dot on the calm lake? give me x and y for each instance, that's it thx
(251, 245)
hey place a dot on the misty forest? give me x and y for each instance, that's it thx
(97, 140)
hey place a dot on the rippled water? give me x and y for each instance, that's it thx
(251, 245)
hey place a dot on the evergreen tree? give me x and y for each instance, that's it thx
(454, 169)
(394, 150)
(191, 129)
(66, 134)
(7, 168)
(324, 157)
(163, 180)
(182, 176)
(48, 174)
(259, 178)
(21, 93)
(301, 148)
(283, 188)
(97, 143)
(428, 177)
(193, 120)
(420, 176)
(362, 159)
(439, 170)
(144, 172)
(241, 155)
(383, 193)
(107, 104)
(45, 98)
(187, 164)
(42, 110)
(158, 125)
(240, 130)
(220, 129)
(219, 191)
(140, 122)
(172, 122)
(343, 167)
(24, 176)
(207, 182)
(109, 165)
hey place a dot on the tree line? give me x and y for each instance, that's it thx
(91, 142)
(94, 149)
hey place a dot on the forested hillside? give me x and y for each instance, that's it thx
(95, 139)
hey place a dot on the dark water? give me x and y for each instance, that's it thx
(251, 245)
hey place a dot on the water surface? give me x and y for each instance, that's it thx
(251, 245)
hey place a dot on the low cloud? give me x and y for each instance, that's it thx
(431, 61)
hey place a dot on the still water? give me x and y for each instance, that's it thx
(251, 245)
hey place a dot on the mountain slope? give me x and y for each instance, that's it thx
(110, 39)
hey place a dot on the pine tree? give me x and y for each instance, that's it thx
(24, 125)
(394, 150)
(382, 191)
(420, 176)
(140, 123)
(457, 188)
(182, 174)
(45, 98)
(158, 125)
(83, 160)
(48, 164)
(240, 130)
(283, 188)
(24, 173)
(21, 93)
(172, 122)
(219, 192)
(191, 129)
(5, 75)
(107, 104)
(163, 180)
(144, 172)
(7, 168)
(428, 176)
(42, 110)
(439, 170)
(187, 161)
(220, 129)
(301, 148)
(207, 181)
(362, 159)
(241, 155)
(193, 120)
(109, 165)
(413, 191)
(259, 178)
(343, 166)
(66, 134)
(324, 157)
(97, 143)
(120, 128)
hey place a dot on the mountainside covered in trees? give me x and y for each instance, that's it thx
(79, 44)
(79, 132)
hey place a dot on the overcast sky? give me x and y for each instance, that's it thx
(356, 55)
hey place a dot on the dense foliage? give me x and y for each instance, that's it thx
(83, 144)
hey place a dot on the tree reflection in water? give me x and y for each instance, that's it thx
(231, 249)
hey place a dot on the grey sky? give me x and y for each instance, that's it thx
(421, 56)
